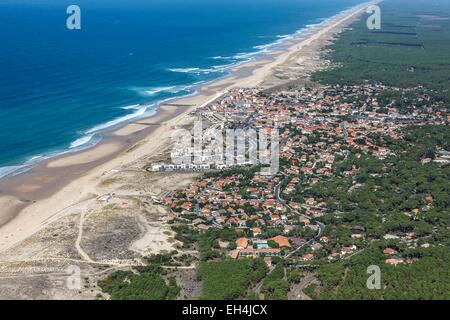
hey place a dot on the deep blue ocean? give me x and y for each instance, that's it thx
(60, 88)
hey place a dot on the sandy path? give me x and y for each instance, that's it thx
(80, 250)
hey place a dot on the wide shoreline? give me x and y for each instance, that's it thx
(60, 182)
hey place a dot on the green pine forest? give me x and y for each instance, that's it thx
(412, 48)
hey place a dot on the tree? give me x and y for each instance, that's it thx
(294, 276)
(273, 244)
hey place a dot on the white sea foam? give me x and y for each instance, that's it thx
(81, 141)
(11, 170)
(222, 58)
(245, 55)
(36, 159)
(154, 91)
(141, 111)
(264, 46)
(134, 106)
(200, 71)
(90, 138)
(224, 67)
(18, 169)
(185, 70)
(170, 90)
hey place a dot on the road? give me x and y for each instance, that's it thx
(80, 250)
(320, 231)
(320, 225)
(297, 292)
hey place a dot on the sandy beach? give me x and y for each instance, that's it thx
(66, 186)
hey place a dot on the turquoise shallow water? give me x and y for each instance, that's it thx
(59, 89)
